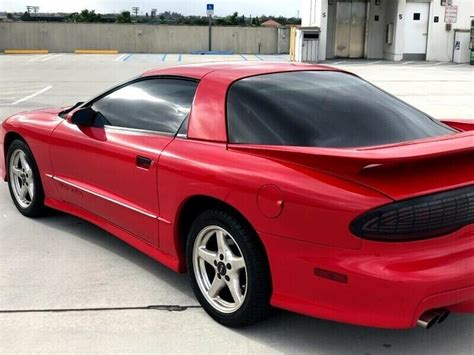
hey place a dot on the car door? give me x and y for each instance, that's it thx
(110, 168)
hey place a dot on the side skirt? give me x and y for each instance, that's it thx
(156, 254)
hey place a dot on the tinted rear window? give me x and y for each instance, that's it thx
(321, 109)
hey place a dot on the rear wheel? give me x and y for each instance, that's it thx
(23, 180)
(228, 269)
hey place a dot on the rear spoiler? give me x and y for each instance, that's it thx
(355, 160)
(463, 125)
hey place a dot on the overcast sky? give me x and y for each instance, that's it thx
(187, 7)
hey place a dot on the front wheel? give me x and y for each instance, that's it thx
(23, 180)
(228, 269)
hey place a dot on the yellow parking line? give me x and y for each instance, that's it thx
(96, 51)
(26, 51)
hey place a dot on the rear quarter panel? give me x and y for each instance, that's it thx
(316, 207)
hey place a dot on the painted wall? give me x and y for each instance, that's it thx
(440, 41)
(283, 40)
(132, 38)
(393, 10)
(314, 13)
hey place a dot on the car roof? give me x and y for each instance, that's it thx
(236, 69)
(207, 117)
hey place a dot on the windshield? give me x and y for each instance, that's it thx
(321, 109)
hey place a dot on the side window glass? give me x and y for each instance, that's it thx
(155, 104)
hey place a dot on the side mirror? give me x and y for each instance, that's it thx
(83, 117)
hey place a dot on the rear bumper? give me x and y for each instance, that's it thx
(389, 285)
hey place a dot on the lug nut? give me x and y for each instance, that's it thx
(229, 266)
(227, 278)
(215, 262)
(219, 276)
(221, 257)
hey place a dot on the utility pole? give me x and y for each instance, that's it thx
(30, 8)
(153, 14)
(135, 10)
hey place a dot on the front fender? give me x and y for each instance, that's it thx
(35, 128)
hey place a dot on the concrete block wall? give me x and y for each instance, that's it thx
(135, 38)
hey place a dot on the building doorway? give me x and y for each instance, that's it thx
(349, 23)
(416, 30)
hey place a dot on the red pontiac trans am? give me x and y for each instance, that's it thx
(298, 186)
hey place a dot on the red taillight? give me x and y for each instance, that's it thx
(418, 218)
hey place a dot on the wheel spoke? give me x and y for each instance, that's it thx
(16, 171)
(216, 287)
(234, 288)
(24, 164)
(23, 192)
(222, 246)
(207, 255)
(31, 191)
(237, 263)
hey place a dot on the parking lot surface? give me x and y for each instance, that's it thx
(68, 286)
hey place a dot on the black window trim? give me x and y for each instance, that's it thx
(318, 70)
(137, 80)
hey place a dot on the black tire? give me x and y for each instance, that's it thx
(256, 303)
(36, 207)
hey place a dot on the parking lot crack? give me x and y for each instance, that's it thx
(169, 308)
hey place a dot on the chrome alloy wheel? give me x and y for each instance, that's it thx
(219, 268)
(21, 179)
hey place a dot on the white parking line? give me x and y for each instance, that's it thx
(405, 63)
(54, 56)
(38, 57)
(340, 62)
(45, 57)
(34, 59)
(120, 57)
(17, 92)
(29, 96)
(377, 62)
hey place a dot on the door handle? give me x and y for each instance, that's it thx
(143, 162)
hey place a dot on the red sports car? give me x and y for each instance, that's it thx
(298, 186)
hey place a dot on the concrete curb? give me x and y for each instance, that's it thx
(26, 51)
(96, 51)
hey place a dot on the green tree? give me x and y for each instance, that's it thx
(86, 16)
(232, 19)
(256, 21)
(124, 17)
(25, 17)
